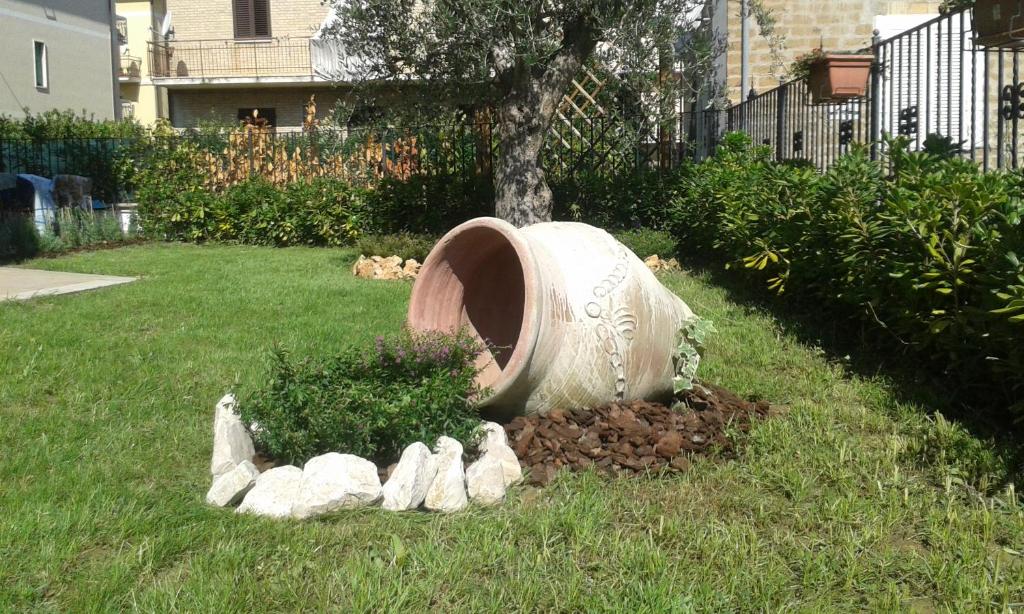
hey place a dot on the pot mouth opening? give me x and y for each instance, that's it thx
(480, 277)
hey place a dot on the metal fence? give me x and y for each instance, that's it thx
(219, 58)
(360, 155)
(930, 80)
(96, 158)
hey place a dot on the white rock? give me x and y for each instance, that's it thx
(447, 492)
(229, 488)
(333, 481)
(231, 441)
(274, 493)
(485, 480)
(494, 435)
(495, 445)
(407, 487)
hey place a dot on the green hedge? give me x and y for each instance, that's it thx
(930, 252)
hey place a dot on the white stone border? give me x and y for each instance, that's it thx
(435, 481)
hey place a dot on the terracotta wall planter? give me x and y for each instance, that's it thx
(840, 77)
(577, 319)
(999, 23)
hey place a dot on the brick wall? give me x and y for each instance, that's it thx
(833, 25)
(213, 19)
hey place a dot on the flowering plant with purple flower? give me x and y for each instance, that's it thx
(370, 402)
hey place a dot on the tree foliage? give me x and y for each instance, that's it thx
(524, 56)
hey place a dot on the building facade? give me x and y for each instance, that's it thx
(222, 59)
(58, 54)
(138, 23)
(804, 25)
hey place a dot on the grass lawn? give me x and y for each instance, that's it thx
(106, 405)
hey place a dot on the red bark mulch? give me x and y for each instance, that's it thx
(633, 437)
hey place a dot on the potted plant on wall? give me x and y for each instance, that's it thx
(999, 23)
(833, 77)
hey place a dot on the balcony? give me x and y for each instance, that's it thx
(129, 69)
(231, 61)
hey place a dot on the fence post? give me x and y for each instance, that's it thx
(780, 122)
(874, 97)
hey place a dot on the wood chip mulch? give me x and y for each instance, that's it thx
(633, 437)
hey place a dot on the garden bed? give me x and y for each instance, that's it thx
(820, 508)
(634, 437)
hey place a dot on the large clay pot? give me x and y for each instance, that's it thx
(574, 317)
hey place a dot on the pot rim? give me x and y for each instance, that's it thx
(529, 330)
(856, 59)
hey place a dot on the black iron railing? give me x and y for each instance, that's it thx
(129, 68)
(221, 58)
(929, 80)
(95, 158)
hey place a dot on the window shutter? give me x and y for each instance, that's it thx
(243, 19)
(252, 18)
(261, 18)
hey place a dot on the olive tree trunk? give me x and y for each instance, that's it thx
(521, 194)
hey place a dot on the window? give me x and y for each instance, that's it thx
(262, 116)
(252, 18)
(41, 69)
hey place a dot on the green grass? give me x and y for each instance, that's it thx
(850, 500)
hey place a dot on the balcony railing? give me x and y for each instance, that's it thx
(230, 58)
(130, 69)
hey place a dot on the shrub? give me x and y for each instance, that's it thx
(173, 202)
(18, 237)
(372, 404)
(627, 200)
(319, 212)
(930, 254)
(406, 245)
(645, 242)
(67, 124)
(432, 204)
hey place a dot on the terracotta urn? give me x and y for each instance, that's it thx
(840, 77)
(571, 316)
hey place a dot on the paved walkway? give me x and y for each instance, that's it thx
(20, 284)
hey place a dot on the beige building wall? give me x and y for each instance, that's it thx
(80, 47)
(147, 102)
(833, 25)
(221, 105)
(213, 19)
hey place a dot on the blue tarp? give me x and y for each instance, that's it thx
(43, 207)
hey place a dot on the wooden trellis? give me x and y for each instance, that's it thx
(580, 103)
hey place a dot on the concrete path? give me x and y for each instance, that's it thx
(21, 284)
